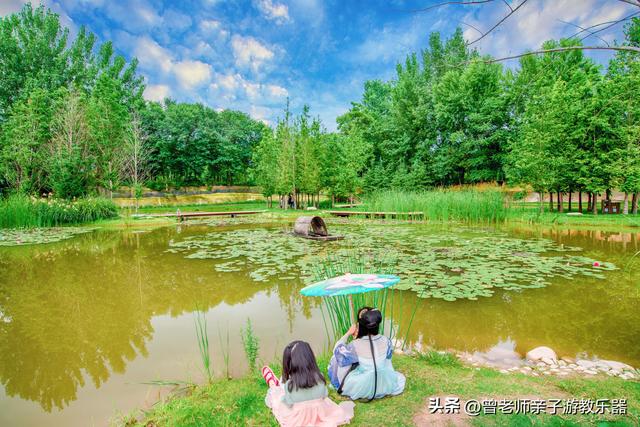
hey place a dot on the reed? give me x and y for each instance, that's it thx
(202, 336)
(19, 211)
(337, 311)
(471, 206)
(225, 353)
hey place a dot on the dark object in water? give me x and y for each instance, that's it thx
(314, 228)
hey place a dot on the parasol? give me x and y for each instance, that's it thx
(350, 284)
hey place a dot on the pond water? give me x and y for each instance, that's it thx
(87, 322)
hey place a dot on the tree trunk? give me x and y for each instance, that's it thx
(560, 204)
(594, 203)
(580, 201)
(625, 208)
(333, 200)
(634, 203)
(550, 201)
(570, 194)
(589, 202)
(541, 201)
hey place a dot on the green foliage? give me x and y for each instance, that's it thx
(439, 358)
(25, 212)
(442, 205)
(251, 345)
(202, 336)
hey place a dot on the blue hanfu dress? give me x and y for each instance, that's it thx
(359, 383)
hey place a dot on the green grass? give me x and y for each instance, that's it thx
(24, 212)
(442, 205)
(241, 401)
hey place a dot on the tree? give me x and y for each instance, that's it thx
(135, 159)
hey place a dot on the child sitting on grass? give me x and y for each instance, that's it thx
(301, 398)
(362, 369)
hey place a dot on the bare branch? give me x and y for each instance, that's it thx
(584, 29)
(508, 5)
(564, 49)
(471, 26)
(497, 24)
(612, 24)
(631, 2)
(452, 2)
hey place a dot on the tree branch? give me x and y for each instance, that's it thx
(499, 22)
(452, 2)
(564, 49)
(631, 2)
(583, 30)
(612, 24)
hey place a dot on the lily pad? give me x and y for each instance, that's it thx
(36, 236)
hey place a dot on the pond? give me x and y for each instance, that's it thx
(86, 322)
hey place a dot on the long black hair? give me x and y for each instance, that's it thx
(299, 366)
(369, 320)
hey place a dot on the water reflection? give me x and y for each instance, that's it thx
(85, 307)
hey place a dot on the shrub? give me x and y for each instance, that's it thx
(23, 212)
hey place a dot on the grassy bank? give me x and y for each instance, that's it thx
(442, 205)
(25, 212)
(241, 401)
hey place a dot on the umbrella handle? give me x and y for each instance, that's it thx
(352, 309)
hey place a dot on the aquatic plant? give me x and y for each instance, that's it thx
(458, 263)
(202, 337)
(251, 345)
(19, 211)
(439, 358)
(35, 236)
(225, 353)
(442, 205)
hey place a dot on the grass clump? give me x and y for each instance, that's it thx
(203, 343)
(439, 358)
(442, 205)
(251, 345)
(20, 211)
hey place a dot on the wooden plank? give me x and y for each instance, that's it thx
(186, 215)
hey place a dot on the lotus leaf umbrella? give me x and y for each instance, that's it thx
(348, 285)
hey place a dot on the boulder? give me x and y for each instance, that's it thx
(618, 366)
(586, 364)
(540, 353)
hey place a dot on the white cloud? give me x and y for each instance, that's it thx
(274, 11)
(136, 16)
(233, 86)
(176, 20)
(250, 53)
(157, 92)
(10, 6)
(151, 55)
(191, 74)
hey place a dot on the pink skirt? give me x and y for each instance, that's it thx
(318, 412)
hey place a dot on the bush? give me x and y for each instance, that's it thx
(442, 205)
(23, 212)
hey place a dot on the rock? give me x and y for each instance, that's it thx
(586, 364)
(540, 353)
(563, 373)
(590, 372)
(548, 361)
(527, 368)
(615, 365)
(568, 360)
(312, 208)
(546, 373)
(573, 365)
(535, 374)
(562, 362)
(504, 371)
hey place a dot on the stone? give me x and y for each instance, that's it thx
(563, 373)
(615, 365)
(527, 368)
(586, 364)
(540, 353)
(546, 373)
(548, 361)
(573, 365)
(562, 362)
(504, 371)
(590, 372)
(535, 374)
(569, 360)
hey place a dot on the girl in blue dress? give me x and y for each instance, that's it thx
(362, 369)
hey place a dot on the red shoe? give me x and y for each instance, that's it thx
(269, 376)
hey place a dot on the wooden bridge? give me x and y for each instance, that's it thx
(407, 215)
(183, 216)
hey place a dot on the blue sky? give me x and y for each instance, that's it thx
(251, 55)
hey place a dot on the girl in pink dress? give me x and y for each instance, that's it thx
(301, 397)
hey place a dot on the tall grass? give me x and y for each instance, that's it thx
(202, 336)
(442, 205)
(251, 345)
(20, 211)
(337, 311)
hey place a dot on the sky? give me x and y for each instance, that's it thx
(251, 55)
